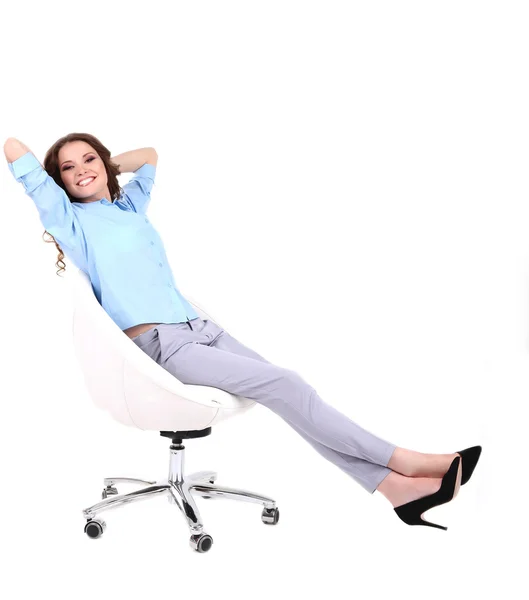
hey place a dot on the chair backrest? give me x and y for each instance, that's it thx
(128, 383)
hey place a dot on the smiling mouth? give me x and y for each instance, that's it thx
(87, 184)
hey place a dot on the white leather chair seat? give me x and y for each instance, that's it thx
(137, 391)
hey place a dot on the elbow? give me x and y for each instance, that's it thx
(153, 157)
(14, 149)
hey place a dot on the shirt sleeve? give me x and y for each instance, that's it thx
(137, 192)
(55, 209)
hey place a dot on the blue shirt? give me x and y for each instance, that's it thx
(113, 243)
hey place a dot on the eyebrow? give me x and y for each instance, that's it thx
(63, 163)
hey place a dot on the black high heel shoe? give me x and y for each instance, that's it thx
(411, 512)
(469, 458)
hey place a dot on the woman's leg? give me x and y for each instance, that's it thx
(189, 351)
(194, 356)
(403, 462)
(367, 474)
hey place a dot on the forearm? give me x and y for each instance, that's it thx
(133, 159)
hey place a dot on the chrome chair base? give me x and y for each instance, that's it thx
(179, 489)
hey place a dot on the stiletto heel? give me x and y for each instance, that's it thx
(469, 458)
(411, 512)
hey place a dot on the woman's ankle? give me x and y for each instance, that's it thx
(408, 462)
(399, 489)
(419, 464)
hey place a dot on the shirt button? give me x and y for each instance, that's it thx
(168, 285)
(160, 264)
(146, 220)
(152, 243)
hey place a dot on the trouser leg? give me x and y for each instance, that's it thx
(203, 357)
(369, 475)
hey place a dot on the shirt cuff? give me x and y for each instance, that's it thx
(24, 165)
(146, 170)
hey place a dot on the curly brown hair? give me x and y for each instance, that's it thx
(51, 166)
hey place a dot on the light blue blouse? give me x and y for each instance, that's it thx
(113, 242)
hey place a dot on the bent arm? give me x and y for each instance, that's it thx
(55, 209)
(131, 161)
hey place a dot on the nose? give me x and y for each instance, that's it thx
(81, 174)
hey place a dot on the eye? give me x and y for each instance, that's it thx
(88, 159)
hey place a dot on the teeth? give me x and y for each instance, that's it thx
(86, 181)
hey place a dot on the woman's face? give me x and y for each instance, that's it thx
(79, 161)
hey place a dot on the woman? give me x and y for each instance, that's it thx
(103, 229)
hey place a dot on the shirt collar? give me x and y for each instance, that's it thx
(85, 204)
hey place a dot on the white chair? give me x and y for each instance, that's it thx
(138, 392)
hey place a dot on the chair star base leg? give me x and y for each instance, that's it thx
(179, 490)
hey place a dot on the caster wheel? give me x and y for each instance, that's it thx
(212, 481)
(201, 542)
(94, 528)
(270, 516)
(109, 491)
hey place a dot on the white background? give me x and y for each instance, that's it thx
(343, 186)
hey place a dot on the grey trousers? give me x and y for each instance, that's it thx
(199, 352)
